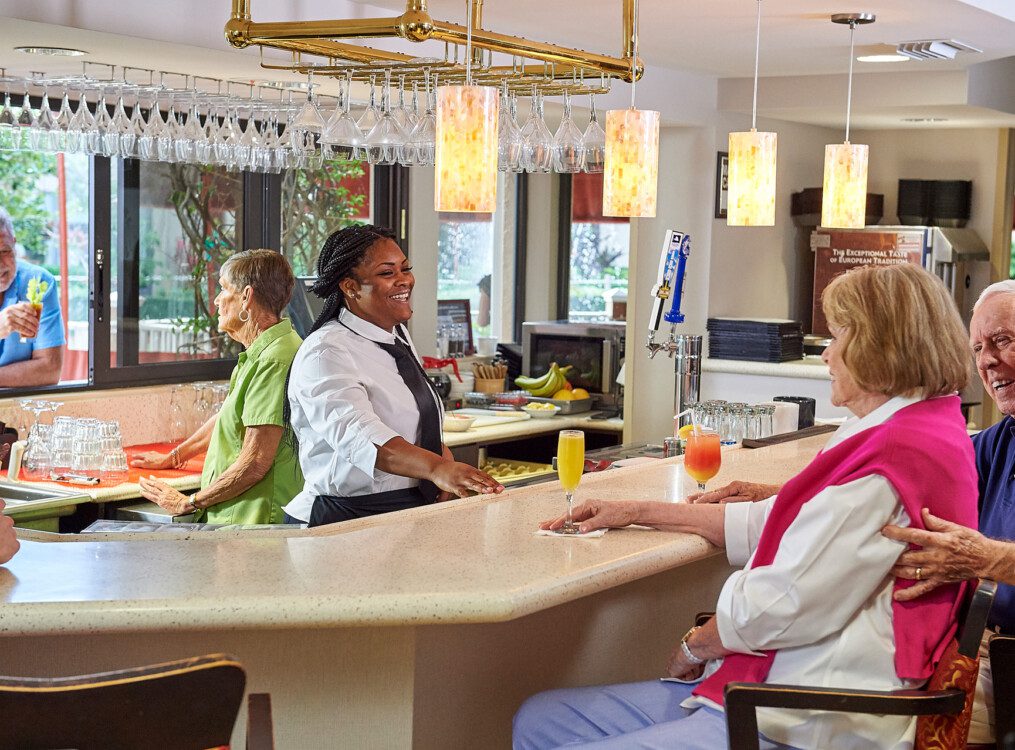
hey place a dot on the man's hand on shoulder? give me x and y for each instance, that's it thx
(19, 318)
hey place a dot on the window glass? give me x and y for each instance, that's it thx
(188, 221)
(317, 202)
(465, 265)
(47, 197)
(600, 247)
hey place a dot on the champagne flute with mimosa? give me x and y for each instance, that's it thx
(570, 465)
(702, 456)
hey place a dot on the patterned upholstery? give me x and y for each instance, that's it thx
(940, 731)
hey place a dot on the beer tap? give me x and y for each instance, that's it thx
(684, 348)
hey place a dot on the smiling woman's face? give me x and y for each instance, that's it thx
(381, 289)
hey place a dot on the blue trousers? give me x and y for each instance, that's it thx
(617, 717)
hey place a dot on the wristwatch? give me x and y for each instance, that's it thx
(191, 501)
(687, 651)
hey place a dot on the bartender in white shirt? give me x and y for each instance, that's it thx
(366, 418)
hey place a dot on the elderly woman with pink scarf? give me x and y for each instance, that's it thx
(813, 604)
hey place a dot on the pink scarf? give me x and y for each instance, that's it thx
(924, 451)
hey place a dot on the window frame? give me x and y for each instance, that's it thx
(261, 227)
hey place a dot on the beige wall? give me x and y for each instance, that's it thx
(686, 174)
(755, 271)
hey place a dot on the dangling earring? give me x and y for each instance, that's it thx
(242, 319)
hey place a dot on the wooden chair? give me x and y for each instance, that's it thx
(1002, 668)
(943, 707)
(190, 704)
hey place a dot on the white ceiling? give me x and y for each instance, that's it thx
(687, 45)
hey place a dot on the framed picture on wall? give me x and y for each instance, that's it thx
(721, 183)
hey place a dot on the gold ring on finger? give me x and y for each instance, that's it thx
(919, 574)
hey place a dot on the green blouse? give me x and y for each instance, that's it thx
(256, 396)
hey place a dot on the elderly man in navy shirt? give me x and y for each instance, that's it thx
(31, 340)
(949, 552)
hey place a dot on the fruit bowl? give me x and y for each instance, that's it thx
(457, 422)
(541, 410)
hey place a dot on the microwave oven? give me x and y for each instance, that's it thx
(595, 352)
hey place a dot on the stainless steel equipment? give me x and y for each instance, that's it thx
(684, 348)
(595, 352)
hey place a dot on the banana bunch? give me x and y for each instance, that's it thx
(545, 385)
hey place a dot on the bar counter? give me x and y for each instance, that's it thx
(424, 628)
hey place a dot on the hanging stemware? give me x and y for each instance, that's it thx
(537, 142)
(147, 144)
(103, 146)
(120, 131)
(386, 136)
(368, 118)
(423, 138)
(568, 150)
(509, 137)
(63, 119)
(594, 141)
(342, 137)
(25, 119)
(8, 125)
(406, 118)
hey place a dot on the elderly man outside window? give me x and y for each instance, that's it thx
(948, 552)
(31, 339)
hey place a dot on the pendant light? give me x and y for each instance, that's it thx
(631, 169)
(465, 161)
(844, 195)
(751, 176)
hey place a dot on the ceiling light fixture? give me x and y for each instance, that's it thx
(52, 51)
(892, 58)
(751, 176)
(844, 194)
(465, 159)
(631, 168)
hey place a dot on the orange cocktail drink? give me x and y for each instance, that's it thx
(702, 456)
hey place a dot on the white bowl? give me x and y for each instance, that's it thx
(457, 422)
(541, 413)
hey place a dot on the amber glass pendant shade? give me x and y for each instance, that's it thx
(844, 194)
(465, 162)
(630, 174)
(751, 179)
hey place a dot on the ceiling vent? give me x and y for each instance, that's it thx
(935, 49)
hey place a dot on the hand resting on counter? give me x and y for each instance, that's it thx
(164, 496)
(9, 543)
(153, 460)
(705, 520)
(736, 492)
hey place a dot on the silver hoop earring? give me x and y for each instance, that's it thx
(242, 319)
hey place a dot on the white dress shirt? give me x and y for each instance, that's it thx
(824, 604)
(347, 399)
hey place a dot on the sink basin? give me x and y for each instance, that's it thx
(20, 497)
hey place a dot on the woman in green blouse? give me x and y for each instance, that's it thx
(249, 471)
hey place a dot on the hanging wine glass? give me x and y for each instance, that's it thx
(44, 127)
(83, 126)
(386, 136)
(423, 138)
(537, 142)
(406, 118)
(103, 146)
(305, 129)
(8, 125)
(119, 129)
(166, 142)
(369, 117)
(63, 120)
(25, 120)
(568, 150)
(509, 137)
(342, 136)
(594, 141)
(147, 144)
(181, 134)
(222, 138)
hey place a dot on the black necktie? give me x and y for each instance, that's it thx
(429, 413)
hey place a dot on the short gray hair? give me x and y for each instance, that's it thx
(1001, 287)
(6, 224)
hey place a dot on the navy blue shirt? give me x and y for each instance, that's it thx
(995, 464)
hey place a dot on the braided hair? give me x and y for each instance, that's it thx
(341, 253)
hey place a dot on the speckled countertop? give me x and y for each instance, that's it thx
(472, 560)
